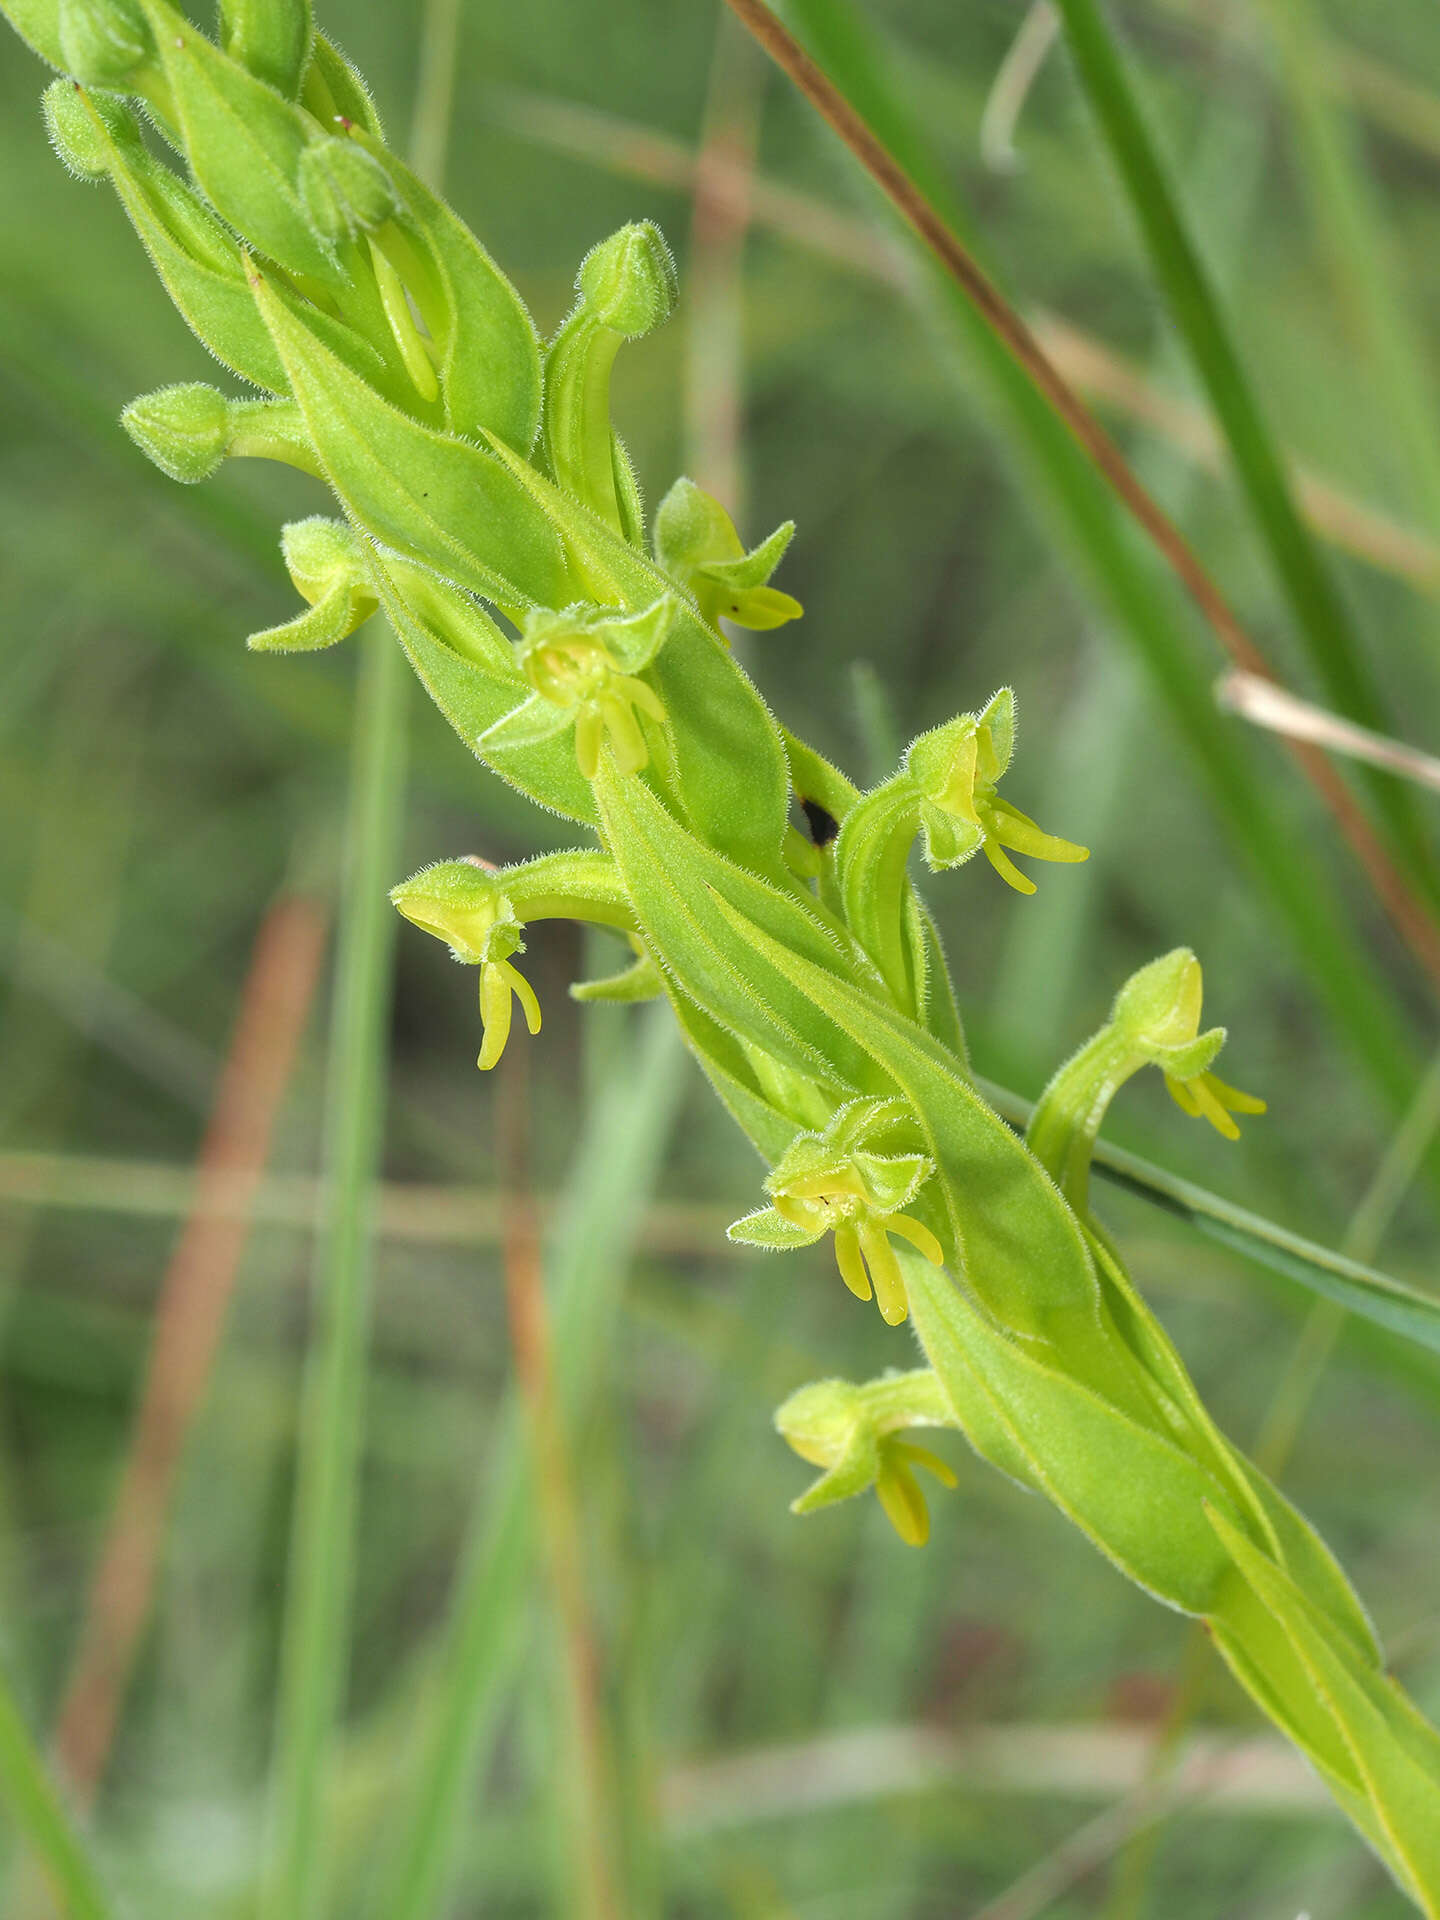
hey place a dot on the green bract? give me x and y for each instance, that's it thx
(488, 507)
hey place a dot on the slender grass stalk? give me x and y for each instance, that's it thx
(585, 1797)
(42, 1817)
(189, 1321)
(1047, 946)
(316, 1648)
(1351, 228)
(585, 1264)
(1315, 603)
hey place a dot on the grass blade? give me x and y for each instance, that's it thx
(1318, 610)
(41, 1816)
(586, 1264)
(1374, 1296)
(317, 1619)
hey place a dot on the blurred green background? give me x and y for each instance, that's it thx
(800, 1719)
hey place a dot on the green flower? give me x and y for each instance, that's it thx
(956, 768)
(696, 543)
(584, 663)
(836, 1182)
(465, 904)
(854, 1433)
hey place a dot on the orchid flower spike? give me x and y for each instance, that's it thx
(853, 1432)
(956, 767)
(835, 1181)
(584, 664)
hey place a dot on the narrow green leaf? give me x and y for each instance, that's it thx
(41, 1817)
(1137, 1495)
(435, 499)
(1394, 1752)
(683, 893)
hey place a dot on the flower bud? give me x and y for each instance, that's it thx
(628, 282)
(326, 561)
(270, 37)
(78, 123)
(185, 430)
(103, 41)
(345, 190)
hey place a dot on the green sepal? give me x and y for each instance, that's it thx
(1154, 1021)
(487, 353)
(641, 980)
(855, 1434)
(478, 911)
(1141, 1499)
(627, 288)
(189, 430)
(696, 543)
(441, 633)
(1378, 1739)
(344, 189)
(766, 1228)
(270, 37)
(330, 570)
(244, 142)
(433, 498)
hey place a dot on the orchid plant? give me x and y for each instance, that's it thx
(487, 506)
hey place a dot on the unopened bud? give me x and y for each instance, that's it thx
(185, 430)
(628, 281)
(103, 41)
(326, 561)
(345, 190)
(78, 123)
(270, 37)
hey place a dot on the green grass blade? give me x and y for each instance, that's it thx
(1125, 586)
(1315, 602)
(1351, 225)
(1375, 1296)
(626, 1134)
(42, 1817)
(317, 1620)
